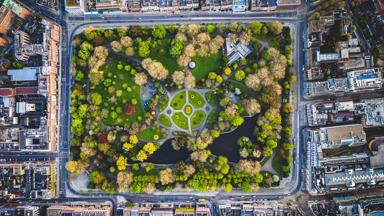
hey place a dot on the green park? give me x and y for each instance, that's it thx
(197, 89)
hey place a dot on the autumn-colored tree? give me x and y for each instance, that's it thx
(150, 148)
(248, 166)
(193, 29)
(166, 176)
(251, 106)
(275, 27)
(189, 170)
(178, 77)
(189, 80)
(201, 155)
(253, 81)
(141, 156)
(76, 167)
(141, 78)
(124, 180)
(116, 46)
(126, 41)
(149, 187)
(181, 37)
(121, 163)
(289, 108)
(245, 37)
(155, 69)
(87, 150)
(203, 38)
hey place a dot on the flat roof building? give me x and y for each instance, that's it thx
(350, 178)
(288, 4)
(239, 5)
(24, 74)
(80, 209)
(337, 136)
(365, 79)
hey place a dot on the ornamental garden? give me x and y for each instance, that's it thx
(216, 95)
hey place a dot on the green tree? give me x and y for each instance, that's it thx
(210, 28)
(255, 27)
(228, 188)
(96, 177)
(96, 98)
(177, 48)
(237, 120)
(240, 75)
(159, 32)
(144, 50)
(79, 76)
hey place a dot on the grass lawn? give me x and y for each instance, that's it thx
(233, 84)
(212, 117)
(165, 120)
(212, 99)
(204, 65)
(180, 120)
(163, 103)
(179, 100)
(161, 53)
(197, 118)
(277, 163)
(122, 90)
(152, 133)
(196, 99)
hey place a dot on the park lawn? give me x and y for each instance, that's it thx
(206, 64)
(213, 117)
(122, 80)
(197, 118)
(163, 103)
(212, 98)
(152, 133)
(165, 120)
(195, 99)
(180, 120)
(233, 84)
(179, 100)
(277, 163)
(160, 52)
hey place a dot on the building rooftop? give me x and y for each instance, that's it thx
(288, 2)
(365, 79)
(374, 112)
(24, 74)
(19, 10)
(352, 177)
(336, 136)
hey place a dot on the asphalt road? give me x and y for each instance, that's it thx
(71, 26)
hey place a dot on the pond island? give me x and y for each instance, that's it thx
(197, 107)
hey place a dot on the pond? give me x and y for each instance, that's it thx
(225, 145)
(167, 155)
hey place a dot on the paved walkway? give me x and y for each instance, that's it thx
(169, 110)
(268, 165)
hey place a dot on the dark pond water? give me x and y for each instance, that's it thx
(167, 155)
(225, 145)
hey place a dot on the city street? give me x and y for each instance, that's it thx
(72, 25)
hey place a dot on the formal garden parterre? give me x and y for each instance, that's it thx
(137, 87)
